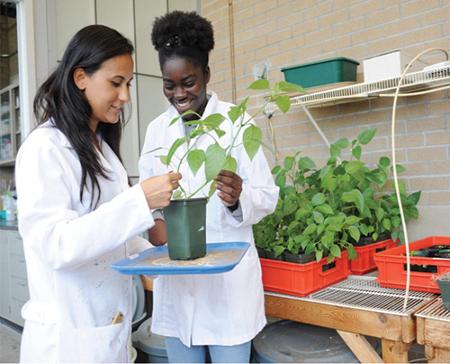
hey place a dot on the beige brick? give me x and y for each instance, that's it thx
(436, 138)
(338, 15)
(383, 16)
(435, 198)
(279, 36)
(337, 43)
(429, 183)
(319, 9)
(428, 168)
(349, 26)
(427, 154)
(414, 7)
(403, 141)
(364, 8)
(425, 124)
(265, 6)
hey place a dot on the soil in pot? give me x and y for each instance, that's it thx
(367, 240)
(300, 258)
(186, 224)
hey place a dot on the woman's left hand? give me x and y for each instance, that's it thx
(229, 185)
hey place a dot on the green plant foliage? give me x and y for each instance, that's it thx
(325, 210)
(216, 158)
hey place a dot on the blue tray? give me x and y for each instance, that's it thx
(219, 258)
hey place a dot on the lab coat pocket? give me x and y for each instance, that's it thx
(94, 344)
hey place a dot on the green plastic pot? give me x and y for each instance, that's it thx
(186, 225)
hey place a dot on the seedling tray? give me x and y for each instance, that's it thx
(365, 262)
(219, 258)
(425, 271)
(302, 279)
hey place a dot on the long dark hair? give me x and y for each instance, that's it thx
(60, 100)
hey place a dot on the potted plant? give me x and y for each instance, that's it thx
(186, 215)
(444, 286)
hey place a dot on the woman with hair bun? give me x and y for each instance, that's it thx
(218, 313)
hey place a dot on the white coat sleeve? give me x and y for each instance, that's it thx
(49, 222)
(259, 194)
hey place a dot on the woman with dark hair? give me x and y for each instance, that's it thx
(220, 313)
(77, 213)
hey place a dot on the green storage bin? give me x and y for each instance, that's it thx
(323, 72)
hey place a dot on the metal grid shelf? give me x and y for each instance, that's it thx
(415, 81)
(435, 310)
(365, 293)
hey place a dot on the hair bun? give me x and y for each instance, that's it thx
(183, 29)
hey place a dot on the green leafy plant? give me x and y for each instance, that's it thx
(216, 158)
(324, 210)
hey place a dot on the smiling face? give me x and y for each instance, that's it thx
(107, 89)
(184, 85)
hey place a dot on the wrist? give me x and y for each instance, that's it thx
(234, 207)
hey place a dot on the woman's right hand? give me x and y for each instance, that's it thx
(158, 190)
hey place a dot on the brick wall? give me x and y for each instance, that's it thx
(287, 32)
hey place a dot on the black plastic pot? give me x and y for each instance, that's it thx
(271, 255)
(300, 258)
(262, 253)
(186, 223)
(367, 240)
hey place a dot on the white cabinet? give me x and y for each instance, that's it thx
(5, 310)
(10, 128)
(13, 279)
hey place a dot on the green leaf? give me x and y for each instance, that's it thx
(335, 250)
(163, 159)
(259, 85)
(351, 252)
(195, 159)
(177, 195)
(319, 255)
(278, 250)
(384, 162)
(356, 197)
(283, 102)
(176, 144)
(310, 229)
(318, 199)
(352, 220)
(387, 224)
(215, 160)
(318, 217)
(289, 87)
(237, 111)
(212, 188)
(356, 152)
(306, 163)
(414, 197)
(342, 143)
(400, 168)
(276, 169)
(353, 167)
(288, 162)
(280, 180)
(325, 209)
(230, 164)
(366, 136)
(252, 140)
(354, 232)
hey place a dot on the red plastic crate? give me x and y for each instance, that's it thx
(364, 262)
(392, 266)
(302, 279)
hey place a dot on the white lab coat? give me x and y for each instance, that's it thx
(217, 309)
(74, 294)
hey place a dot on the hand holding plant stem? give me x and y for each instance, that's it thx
(217, 158)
